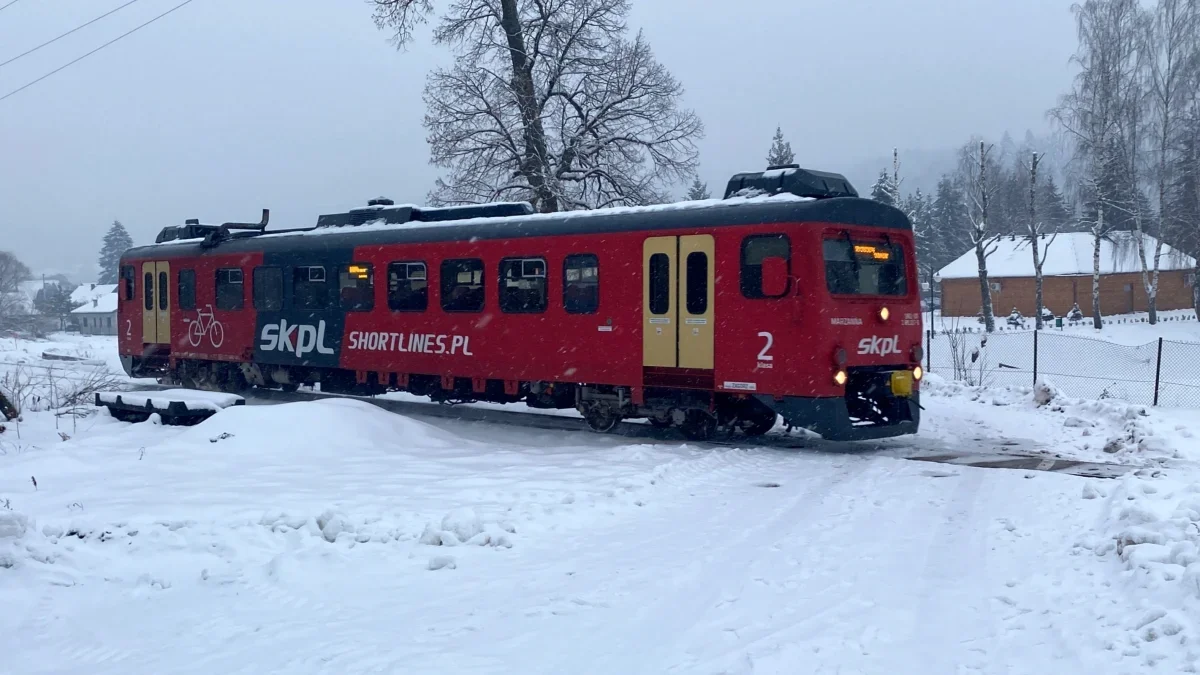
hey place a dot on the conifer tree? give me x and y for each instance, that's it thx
(698, 191)
(781, 150)
(116, 242)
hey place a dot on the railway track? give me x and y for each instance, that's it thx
(996, 455)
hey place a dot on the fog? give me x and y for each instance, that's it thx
(302, 106)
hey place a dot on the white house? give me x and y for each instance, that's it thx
(99, 315)
(85, 293)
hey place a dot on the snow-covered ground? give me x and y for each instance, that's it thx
(332, 536)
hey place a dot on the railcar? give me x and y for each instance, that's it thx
(790, 296)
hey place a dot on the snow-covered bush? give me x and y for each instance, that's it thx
(1015, 318)
(1075, 314)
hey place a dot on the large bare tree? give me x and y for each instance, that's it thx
(1097, 110)
(549, 101)
(977, 171)
(12, 273)
(1037, 232)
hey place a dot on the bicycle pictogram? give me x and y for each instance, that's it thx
(206, 324)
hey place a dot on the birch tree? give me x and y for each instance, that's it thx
(1170, 47)
(1037, 230)
(548, 101)
(1092, 112)
(976, 168)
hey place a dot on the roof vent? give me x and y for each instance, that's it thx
(790, 179)
(381, 201)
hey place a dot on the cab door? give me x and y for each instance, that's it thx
(660, 310)
(156, 302)
(696, 282)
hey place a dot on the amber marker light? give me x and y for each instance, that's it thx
(840, 378)
(884, 313)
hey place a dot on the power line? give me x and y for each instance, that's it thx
(4, 7)
(50, 42)
(66, 34)
(77, 60)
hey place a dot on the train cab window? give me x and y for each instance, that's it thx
(230, 294)
(356, 287)
(148, 290)
(522, 285)
(187, 290)
(697, 282)
(755, 249)
(660, 283)
(864, 267)
(127, 277)
(268, 289)
(462, 285)
(408, 287)
(581, 284)
(309, 290)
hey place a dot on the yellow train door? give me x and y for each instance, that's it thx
(156, 302)
(696, 282)
(660, 310)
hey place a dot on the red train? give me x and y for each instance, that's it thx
(791, 296)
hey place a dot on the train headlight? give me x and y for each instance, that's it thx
(840, 378)
(918, 373)
(884, 313)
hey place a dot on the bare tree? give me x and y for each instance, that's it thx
(12, 273)
(1037, 230)
(1095, 112)
(1170, 45)
(548, 101)
(979, 191)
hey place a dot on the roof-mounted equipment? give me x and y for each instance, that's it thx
(383, 211)
(790, 179)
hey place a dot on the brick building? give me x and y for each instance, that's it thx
(1067, 277)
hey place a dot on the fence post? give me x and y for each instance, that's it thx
(929, 351)
(1035, 355)
(1158, 371)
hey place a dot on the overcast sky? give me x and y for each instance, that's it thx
(302, 106)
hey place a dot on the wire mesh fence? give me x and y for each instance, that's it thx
(1164, 372)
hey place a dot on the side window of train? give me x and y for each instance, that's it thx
(581, 284)
(268, 289)
(660, 283)
(187, 290)
(148, 290)
(755, 249)
(462, 285)
(309, 290)
(522, 285)
(408, 287)
(127, 276)
(356, 286)
(230, 291)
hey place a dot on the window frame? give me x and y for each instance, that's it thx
(502, 285)
(257, 283)
(408, 265)
(653, 295)
(567, 305)
(756, 293)
(240, 283)
(444, 278)
(190, 286)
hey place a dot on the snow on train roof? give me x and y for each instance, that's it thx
(369, 226)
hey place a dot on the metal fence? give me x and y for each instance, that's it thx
(1162, 373)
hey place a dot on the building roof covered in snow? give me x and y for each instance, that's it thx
(85, 292)
(101, 304)
(1068, 254)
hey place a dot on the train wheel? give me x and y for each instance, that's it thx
(756, 420)
(699, 426)
(601, 418)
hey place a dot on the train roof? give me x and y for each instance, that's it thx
(383, 222)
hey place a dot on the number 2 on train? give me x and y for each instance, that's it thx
(764, 355)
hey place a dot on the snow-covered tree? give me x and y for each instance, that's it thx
(977, 169)
(1036, 234)
(698, 191)
(548, 102)
(781, 150)
(883, 191)
(1096, 111)
(116, 242)
(12, 273)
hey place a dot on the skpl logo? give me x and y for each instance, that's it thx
(298, 338)
(876, 345)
